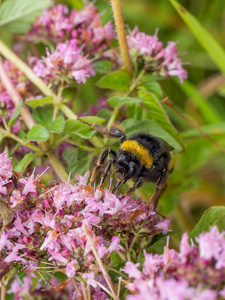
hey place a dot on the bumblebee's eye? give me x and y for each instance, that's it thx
(132, 171)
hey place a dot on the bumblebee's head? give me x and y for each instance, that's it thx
(125, 169)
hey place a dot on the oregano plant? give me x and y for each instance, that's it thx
(64, 74)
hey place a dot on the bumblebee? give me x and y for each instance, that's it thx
(142, 157)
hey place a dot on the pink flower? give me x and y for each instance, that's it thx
(151, 264)
(210, 243)
(157, 60)
(66, 60)
(12, 257)
(163, 226)
(4, 241)
(51, 236)
(6, 166)
(114, 246)
(132, 270)
(90, 279)
(29, 187)
(172, 289)
(70, 269)
(16, 198)
(185, 248)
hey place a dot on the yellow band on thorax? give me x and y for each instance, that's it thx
(139, 151)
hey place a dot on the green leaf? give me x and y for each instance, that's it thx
(119, 80)
(37, 102)
(15, 115)
(152, 87)
(6, 37)
(117, 101)
(102, 66)
(158, 115)
(78, 4)
(132, 127)
(135, 111)
(207, 110)
(212, 47)
(38, 133)
(57, 125)
(26, 160)
(77, 160)
(92, 119)
(212, 216)
(17, 16)
(75, 128)
(43, 116)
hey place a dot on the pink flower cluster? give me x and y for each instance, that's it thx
(194, 273)
(63, 63)
(46, 224)
(59, 24)
(158, 60)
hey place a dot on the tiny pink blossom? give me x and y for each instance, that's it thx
(6, 166)
(163, 226)
(114, 246)
(12, 257)
(5, 242)
(185, 248)
(29, 187)
(90, 278)
(16, 198)
(132, 270)
(51, 236)
(70, 269)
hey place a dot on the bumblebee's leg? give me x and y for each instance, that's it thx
(100, 162)
(136, 185)
(109, 132)
(161, 186)
(108, 166)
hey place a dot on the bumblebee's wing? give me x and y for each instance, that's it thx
(164, 147)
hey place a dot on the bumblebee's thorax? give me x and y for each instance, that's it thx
(139, 151)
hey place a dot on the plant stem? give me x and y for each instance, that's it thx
(104, 288)
(67, 112)
(89, 292)
(100, 263)
(121, 33)
(3, 289)
(77, 288)
(84, 290)
(119, 286)
(118, 272)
